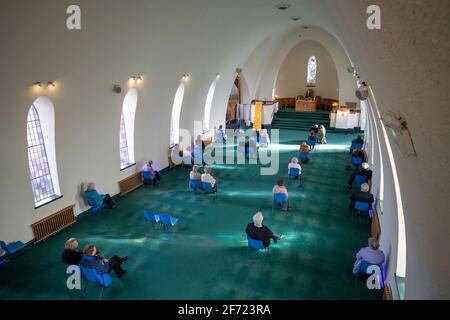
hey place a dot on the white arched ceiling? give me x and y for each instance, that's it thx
(406, 63)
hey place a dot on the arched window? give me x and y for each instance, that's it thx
(127, 129)
(41, 151)
(312, 71)
(208, 105)
(176, 113)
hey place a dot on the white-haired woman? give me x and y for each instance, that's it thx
(71, 255)
(362, 196)
(295, 165)
(207, 177)
(323, 134)
(98, 200)
(257, 231)
(371, 254)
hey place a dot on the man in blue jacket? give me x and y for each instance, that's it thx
(91, 260)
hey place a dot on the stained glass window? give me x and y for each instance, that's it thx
(41, 178)
(312, 71)
(124, 156)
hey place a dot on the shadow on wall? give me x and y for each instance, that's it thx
(80, 198)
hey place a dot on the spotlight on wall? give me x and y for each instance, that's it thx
(218, 75)
(295, 18)
(363, 92)
(351, 69)
(137, 78)
(38, 83)
(186, 77)
(238, 70)
(282, 6)
(117, 89)
(51, 84)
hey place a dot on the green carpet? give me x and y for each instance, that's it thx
(207, 257)
(289, 119)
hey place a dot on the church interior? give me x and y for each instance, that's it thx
(224, 150)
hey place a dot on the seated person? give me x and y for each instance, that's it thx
(194, 174)
(92, 260)
(153, 173)
(259, 232)
(264, 139)
(316, 130)
(280, 188)
(98, 200)
(71, 255)
(295, 165)
(371, 254)
(363, 170)
(252, 148)
(323, 134)
(221, 136)
(362, 196)
(304, 149)
(207, 177)
(358, 140)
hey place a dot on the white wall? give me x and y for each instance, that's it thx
(406, 63)
(292, 77)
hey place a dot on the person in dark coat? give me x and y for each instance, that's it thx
(257, 231)
(92, 260)
(71, 255)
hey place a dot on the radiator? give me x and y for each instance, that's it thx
(51, 225)
(130, 184)
(387, 294)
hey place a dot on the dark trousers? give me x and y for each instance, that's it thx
(156, 178)
(109, 201)
(115, 264)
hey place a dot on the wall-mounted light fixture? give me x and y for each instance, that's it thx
(186, 77)
(38, 83)
(137, 78)
(218, 75)
(51, 84)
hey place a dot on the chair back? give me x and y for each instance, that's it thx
(356, 146)
(362, 206)
(311, 142)
(303, 155)
(360, 179)
(146, 175)
(255, 244)
(208, 187)
(4, 246)
(167, 220)
(93, 275)
(195, 184)
(357, 160)
(294, 172)
(279, 198)
(149, 216)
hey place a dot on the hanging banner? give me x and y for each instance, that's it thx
(257, 121)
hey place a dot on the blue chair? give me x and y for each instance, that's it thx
(363, 208)
(167, 220)
(92, 275)
(359, 180)
(151, 217)
(356, 146)
(147, 177)
(303, 156)
(279, 198)
(364, 265)
(312, 143)
(294, 172)
(208, 188)
(256, 245)
(12, 248)
(357, 160)
(195, 185)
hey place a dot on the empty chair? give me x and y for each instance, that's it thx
(303, 156)
(363, 208)
(312, 142)
(13, 247)
(151, 217)
(356, 146)
(167, 220)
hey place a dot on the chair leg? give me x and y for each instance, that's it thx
(101, 294)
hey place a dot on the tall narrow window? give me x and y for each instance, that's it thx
(176, 113)
(208, 105)
(127, 129)
(312, 71)
(41, 152)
